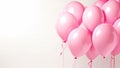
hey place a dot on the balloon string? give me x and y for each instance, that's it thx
(62, 54)
(112, 62)
(74, 64)
(63, 48)
(90, 64)
(63, 60)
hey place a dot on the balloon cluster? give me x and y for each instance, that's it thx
(93, 30)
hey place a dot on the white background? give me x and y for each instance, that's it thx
(28, 38)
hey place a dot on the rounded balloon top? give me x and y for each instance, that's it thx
(92, 17)
(112, 11)
(66, 22)
(105, 39)
(76, 9)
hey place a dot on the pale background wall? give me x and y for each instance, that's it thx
(28, 38)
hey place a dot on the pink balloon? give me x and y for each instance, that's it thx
(77, 9)
(79, 42)
(105, 39)
(118, 1)
(111, 9)
(92, 17)
(92, 53)
(116, 25)
(100, 3)
(119, 15)
(65, 24)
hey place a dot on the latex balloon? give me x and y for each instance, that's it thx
(116, 25)
(66, 22)
(77, 9)
(119, 15)
(92, 17)
(105, 39)
(111, 9)
(100, 3)
(92, 53)
(79, 42)
(118, 1)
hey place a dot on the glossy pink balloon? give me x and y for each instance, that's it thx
(100, 3)
(65, 24)
(118, 1)
(77, 9)
(92, 53)
(116, 25)
(111, 9)
(92, 17)
(119, 15)
(105, 39)
(79, 42)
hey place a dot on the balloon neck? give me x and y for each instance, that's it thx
(64, 41)
(104, 57)
(60, 53)
(91, 61)
(75, 58)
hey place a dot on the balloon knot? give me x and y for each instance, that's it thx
(75, 58)
(104, 57)
(64, 41)
(60, 53)
(91, 61)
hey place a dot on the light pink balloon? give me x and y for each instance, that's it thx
(111, 9)
(119, 15)
(66, 22)
(105, 39)
(92, 53)
(77, 9)
(92, 17)
(116, 25)
(118, 1)
(100, 3)
(79, 42)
